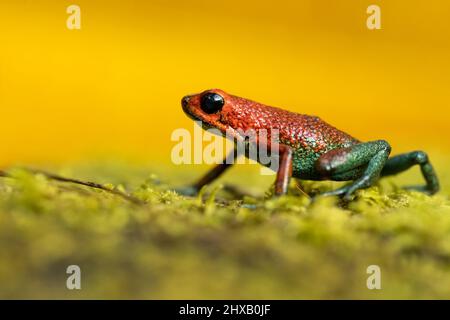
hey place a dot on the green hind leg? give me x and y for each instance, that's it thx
(405, 161)
(362, 163)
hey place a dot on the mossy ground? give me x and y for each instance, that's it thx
(178, 247)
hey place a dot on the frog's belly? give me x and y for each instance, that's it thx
(303, 166)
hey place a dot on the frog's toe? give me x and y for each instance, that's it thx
(348, 196)
(250, 206)
(338, 192)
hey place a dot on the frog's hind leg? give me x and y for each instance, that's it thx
(361, 162)
(403, 162)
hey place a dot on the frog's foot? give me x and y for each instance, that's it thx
(346, 192)
(423, 189)
(210, 176)
(251, 206)
(238, 192)
(338, 192)
(189, 191)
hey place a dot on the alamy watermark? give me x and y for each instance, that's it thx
(374, 280)
(259, 145)
(73, 21)
(373, 21)
(73, 281)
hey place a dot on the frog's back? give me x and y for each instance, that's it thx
(308, 136)
(296, 130)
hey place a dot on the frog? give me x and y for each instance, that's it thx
(308, 147)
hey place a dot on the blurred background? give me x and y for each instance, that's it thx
(111, 92)
(114, 87)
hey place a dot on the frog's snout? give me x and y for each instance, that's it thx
(185, 101)
(186, 107)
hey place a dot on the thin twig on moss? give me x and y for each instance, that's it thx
(90, 184)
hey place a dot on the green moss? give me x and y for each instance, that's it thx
(213, 246)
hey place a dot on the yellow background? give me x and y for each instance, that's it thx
(114, 87)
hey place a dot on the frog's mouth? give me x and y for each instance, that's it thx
(218, 129)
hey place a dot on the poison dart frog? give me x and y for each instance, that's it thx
(309, 148)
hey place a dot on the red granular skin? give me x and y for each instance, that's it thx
(296, 130)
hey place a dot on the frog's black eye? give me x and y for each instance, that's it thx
(211, 102)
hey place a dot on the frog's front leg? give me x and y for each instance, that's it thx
(210, 176)
(361, 162)
(284, 172)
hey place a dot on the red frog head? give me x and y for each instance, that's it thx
(228, 113)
